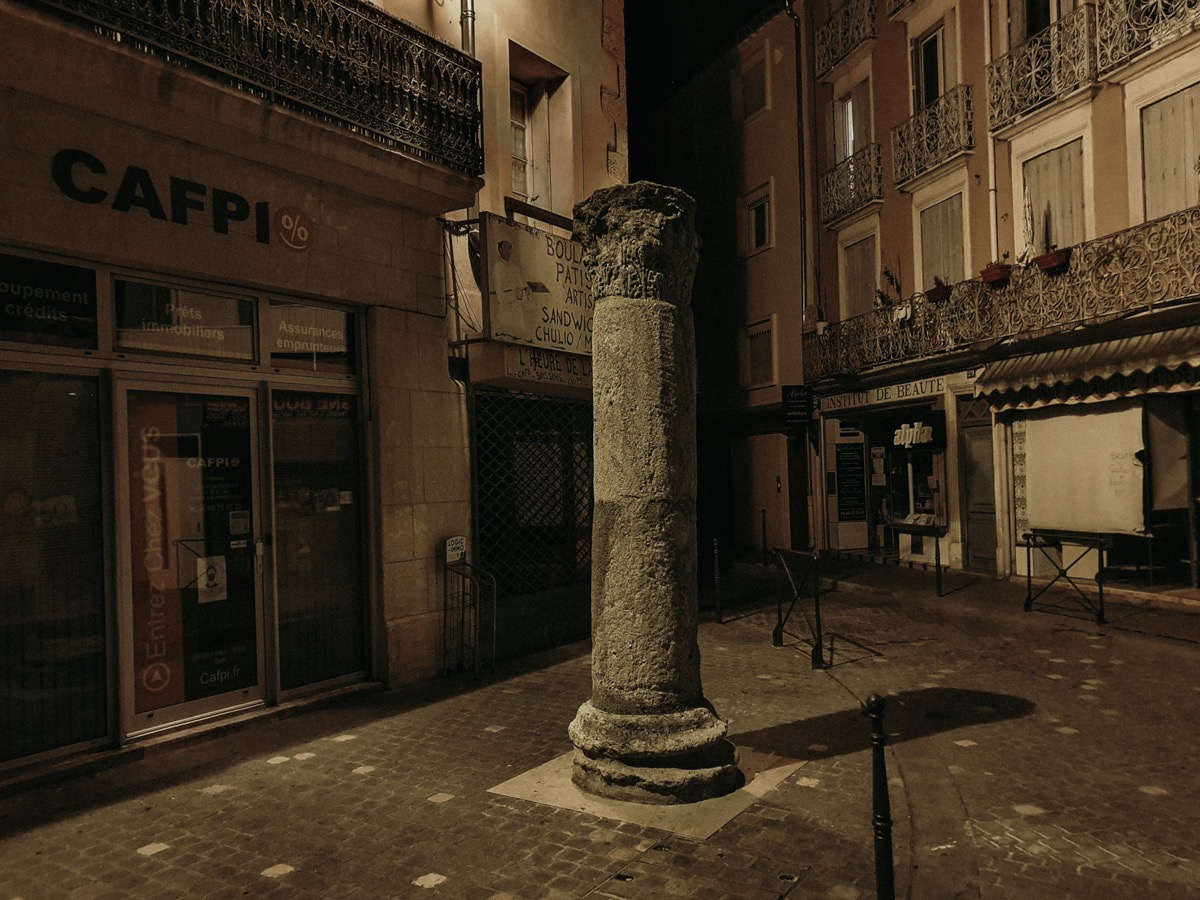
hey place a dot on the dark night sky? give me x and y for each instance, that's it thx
(667, 40)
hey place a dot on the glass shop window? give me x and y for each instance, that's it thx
(47, 303)
(53, 668)
(309, 338)
(158, 319)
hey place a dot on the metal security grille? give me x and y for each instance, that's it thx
(533, 483)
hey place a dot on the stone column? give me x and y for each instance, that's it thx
(648, 734)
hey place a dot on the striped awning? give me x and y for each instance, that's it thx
(1158, 362)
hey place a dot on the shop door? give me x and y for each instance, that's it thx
(190, 554)
(978, 479)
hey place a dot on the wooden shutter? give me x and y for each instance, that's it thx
(1170, 145)
(859, 272)
(942, 242)
(1055, 182)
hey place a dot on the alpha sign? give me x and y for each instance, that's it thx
(537, 291)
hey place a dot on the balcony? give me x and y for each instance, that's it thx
(345, 62)
(935, 135)
(1049, 66)
(1128, 29)
(1135, 270)
(849, 26)
(852, 185)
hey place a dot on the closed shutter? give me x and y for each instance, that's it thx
(942, 242)
(1170, 147)
(1055, 183)
(860, 99)
(859, 273)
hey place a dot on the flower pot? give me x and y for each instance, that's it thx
(995, 273)
(1054, 261)
(939, 293)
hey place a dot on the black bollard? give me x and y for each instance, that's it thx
(882, 819)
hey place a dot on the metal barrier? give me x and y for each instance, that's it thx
(532, 483)
(806, 566)
(468, 619)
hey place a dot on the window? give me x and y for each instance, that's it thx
(852, 121)
(757, 224)
(942, 242)
(159, 319)
(928, 66)
(1029, 17)
(750, 87)
(758, 354)
(858, 276)
(1054, 181)
(518, 106)
(1171, 153)
(542, 125)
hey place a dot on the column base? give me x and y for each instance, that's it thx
(653, 758)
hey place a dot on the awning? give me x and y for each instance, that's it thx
(1158, 362)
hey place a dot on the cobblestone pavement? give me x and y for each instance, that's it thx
(1033, 756)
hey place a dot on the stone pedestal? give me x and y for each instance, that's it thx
(647, 734)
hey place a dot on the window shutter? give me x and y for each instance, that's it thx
(1170, 144)
(942, 242)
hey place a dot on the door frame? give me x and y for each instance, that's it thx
(133, 725)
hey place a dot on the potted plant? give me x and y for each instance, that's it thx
(996, 273)
(1053, 260)
(940, 292)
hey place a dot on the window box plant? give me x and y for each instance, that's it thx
(996, 273)
(1054, 260)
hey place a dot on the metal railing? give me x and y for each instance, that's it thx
(1050, 65)
(1128, 28)
(468, 619)
(344, 61)
(1136, 269)
(852, 184)
(801, 569)
(940, 132)
(848, 26)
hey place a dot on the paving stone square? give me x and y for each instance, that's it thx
(1004, 782)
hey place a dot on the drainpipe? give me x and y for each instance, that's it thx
(789, 8)
(993, 225)
(468, 27)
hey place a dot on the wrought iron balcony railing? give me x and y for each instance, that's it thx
(1050, 65)
(852, 184)
(1140, 268)
(1128, 28)
(894, 6)
(344, 61)
(935, 135)
(848, 26)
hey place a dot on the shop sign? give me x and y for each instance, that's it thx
(891, 393)
(47, 303)
(85, 178)
(851, 482)
(548, 366)
(797, 402)
(924, 430)
(537, 291)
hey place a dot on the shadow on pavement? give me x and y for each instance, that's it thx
(909, 715)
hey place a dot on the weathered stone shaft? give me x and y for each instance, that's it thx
(647, 733)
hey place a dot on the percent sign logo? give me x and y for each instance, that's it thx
(295, 228)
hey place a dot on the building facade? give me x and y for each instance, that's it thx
(998, 307)
(235, 440)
